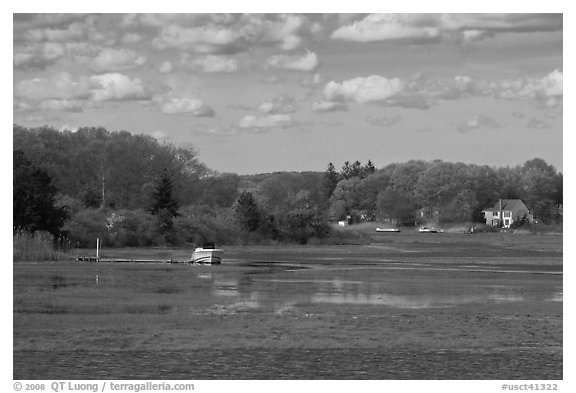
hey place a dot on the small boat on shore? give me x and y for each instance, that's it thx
(387, 230)
(207, 255)
(427, 230)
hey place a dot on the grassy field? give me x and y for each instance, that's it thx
(403, 292)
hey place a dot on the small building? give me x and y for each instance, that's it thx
(505, 212)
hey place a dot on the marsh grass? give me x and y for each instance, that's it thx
(37, 246)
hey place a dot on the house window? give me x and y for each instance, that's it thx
(495, 214)
(507, 223)
(507, 214)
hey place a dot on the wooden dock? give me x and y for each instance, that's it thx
(124, 260)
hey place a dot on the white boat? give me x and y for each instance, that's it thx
(427, 230)
(387, 230)
(207, 254)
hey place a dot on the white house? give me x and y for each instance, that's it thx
(506, 211)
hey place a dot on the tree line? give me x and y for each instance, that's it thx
(132, 190)
(458, 192)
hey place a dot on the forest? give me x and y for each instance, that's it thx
(132, 190)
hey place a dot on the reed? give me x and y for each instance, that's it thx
(37, 246)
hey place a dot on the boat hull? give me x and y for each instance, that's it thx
(207, 257)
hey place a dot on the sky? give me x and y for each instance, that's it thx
(255, 93)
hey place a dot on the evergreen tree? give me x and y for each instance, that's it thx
(346, 170)
(163, 198)
(247, 212)
(329, 181)
(369, 168)
(357, 170)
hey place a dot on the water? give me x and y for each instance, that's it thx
(482, 299)
(302, 364)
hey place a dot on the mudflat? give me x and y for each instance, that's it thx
(407, 306)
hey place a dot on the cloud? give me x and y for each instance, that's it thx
(117, 87)
(279, 104)
(38, 55)
(547, 90)
(218, 130)
(422, 28)
(201, 39)
(273, 79)
(159, 135)
(538, 124)
(381, 27)
(271, 121)
(227, 33)
(308, 62)
(59, 86)
(312, 80)
(72, 32)
(384, 121)
(479, 121)
(165, 68)
(63, 105)
(374, 88)
(117, 60)
(329, 106)
(551, 86)
(190, 106)
(213, 63)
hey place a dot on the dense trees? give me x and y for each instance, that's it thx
(458, 192)
(132, 190)
(34, 198)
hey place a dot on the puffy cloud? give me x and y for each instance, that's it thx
(329, 106)
(213, 63)
(548, 90)
(374, 88)
(190, 106)
(308, 62)
(380, 27)
(384, 121)
(279, 120)
(117, 87)
(117, 60)
(549, 86)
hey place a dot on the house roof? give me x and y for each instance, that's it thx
(508, 205)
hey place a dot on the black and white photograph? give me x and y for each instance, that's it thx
(287, 196)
